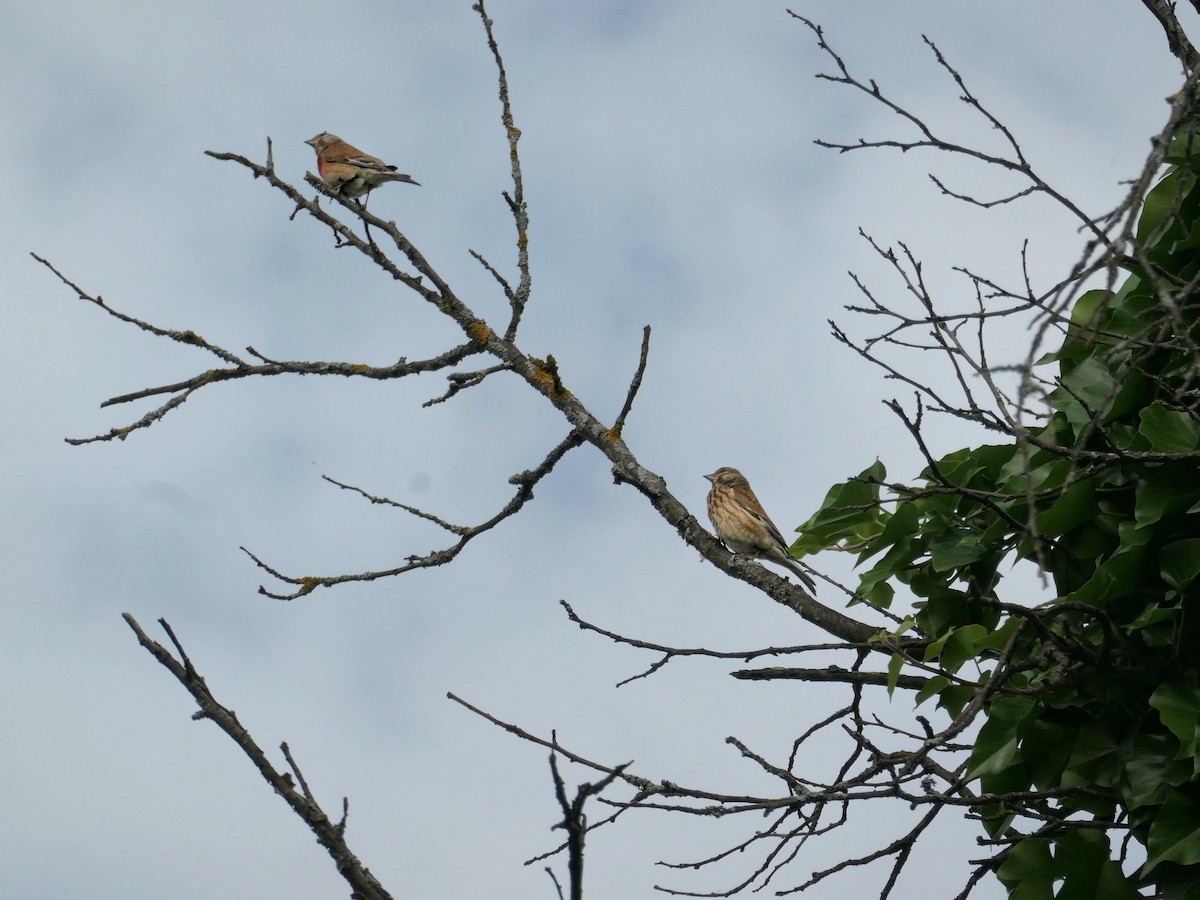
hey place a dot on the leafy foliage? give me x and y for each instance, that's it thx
(1090, 701)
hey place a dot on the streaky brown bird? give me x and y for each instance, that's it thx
(744, 526)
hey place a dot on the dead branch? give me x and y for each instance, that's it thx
(329, 835)
(524, 481)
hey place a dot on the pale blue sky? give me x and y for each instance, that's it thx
(672, 181)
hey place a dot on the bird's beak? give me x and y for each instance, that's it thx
(312, 142)
(712, 477)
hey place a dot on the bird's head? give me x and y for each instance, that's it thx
(727, 477)
(322, 140)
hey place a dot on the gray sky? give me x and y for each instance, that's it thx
(672, 181)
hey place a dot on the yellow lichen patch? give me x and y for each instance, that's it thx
(308, 585)
(359, 367)
(479, 331)
(614, 434)
(545, 371)
(190, 337)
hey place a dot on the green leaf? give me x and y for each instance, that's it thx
(1161, 491)
(1088, 390)
(996, 638)
(997, 747)
(1046, 749)
(1074, 506)
(849, 513)
(1180, 562)
(892, 564)
(974, 465)
(1152, 769)
(1083, 860)
(1029, 872)
(961, 645)
(1181, 147)
(895, 664)
(1129, 307)
(1163, 199)
(1152, 614)
(880, 593)
(1118, 575)
(955, 548)
(1169, 430)
(933, 686)
(954, 697)
(1174, 836)
(1113, 884)
(1039, 473)
(1178, 707)
(1095, 759)
(898, 529)
(1087, 314)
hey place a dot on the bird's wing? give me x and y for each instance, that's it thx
(772, 530)
(749, 502)
(366, 161)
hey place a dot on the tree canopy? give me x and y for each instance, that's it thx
(1089, 699)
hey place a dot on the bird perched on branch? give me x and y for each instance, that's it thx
(348, 170)
(744, 526)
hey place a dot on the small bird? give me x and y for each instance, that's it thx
(744, 526)
(348, 170)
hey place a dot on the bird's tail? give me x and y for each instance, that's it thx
(804, 577)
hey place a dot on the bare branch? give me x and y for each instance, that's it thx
(830, 673)
(516, 202)
(670, 653)
(384, 501)
(188, 336)
(634, 385)
(575, 822)
(329, 835)
(1177, 39)
(1015, 163)
(524, 481)
(460, 381)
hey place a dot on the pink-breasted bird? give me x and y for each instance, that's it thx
(348, 170)
(744, 526)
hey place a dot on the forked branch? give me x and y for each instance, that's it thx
(330, 835)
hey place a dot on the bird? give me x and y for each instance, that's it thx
(744, 526)
(348, 170)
